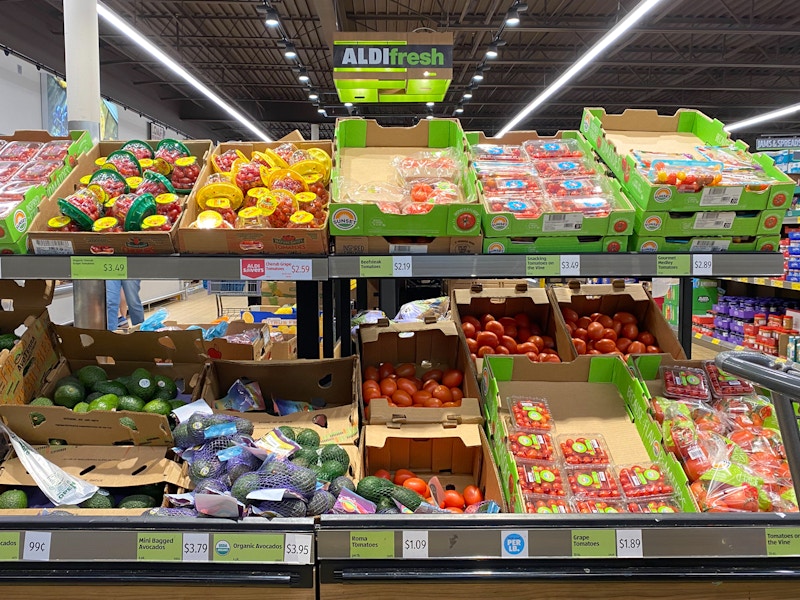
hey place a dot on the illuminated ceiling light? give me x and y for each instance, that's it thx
(478, 75)
(459, 109)
(605, 42)
(762, 118)
(429, 117)
(321, 110)
(313, 95)
(348, 104)
(272, 20)
(492, 50)
(430, 104)
(289, 51)
(467, 95)
(137, 38)
(512, 17)
(303, 75)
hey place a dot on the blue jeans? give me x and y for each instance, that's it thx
(135, 308)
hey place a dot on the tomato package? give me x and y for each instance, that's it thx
(653, 506)
(125, 163)
(644, 481)
(498, 153)
(724, 385)
(434, 191)
(550, 149)
(141, 150)
(23, 151)
(55, 150)
(531, 445)
(541, 479)
(687, 175)
(685, 382)
(599, 506)
(729, 487)
(8, 168)
(37, 171)
(437, 164)
(83, 207)
(564, 169)
(546, 505)
(748, 411)
(593, 482)
(531, 413)
(522, 207)
(582, 450)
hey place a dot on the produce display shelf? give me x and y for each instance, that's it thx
(785, 285)
(714, 343)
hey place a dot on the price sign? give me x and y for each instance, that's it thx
(570, 265)
(402, 266)
(540, 265)
(783, 541)
(159, 546)
(629, 543)
(593, 543)
(287, 270)
(415, 544)
(195, 547)
(37, 545)
(248, 547)
(702, 264)
(99, 267)
(372, 544)
(514, 544)
(375, 266)
(9, 545)
(297, 548)
(673, 265)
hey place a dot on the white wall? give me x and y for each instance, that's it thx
(20, 95)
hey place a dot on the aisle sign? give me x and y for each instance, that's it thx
(195, 547)
(98, 267)
(162, 546)
(673, 265)
(248, 547)
(594, 543)
(629, 543)
(783, 541)
(415, 543)
(372, 544)
(375, 266)
(297, 548)
(702, 264)
(542, 265)
(9, 545)
(37, 545)
(514, 544)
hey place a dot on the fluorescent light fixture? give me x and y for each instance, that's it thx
(459, 110)
(478, 76)
(272, 20)
(430, 104)
(491, 51)
(429, 117)
(768, 116)
(289, 51)
(348, 104)
(321, 110)
(467, 95)
(312, 95)
(602, 44)
(137, 38)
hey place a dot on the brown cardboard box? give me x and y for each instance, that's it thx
(42, 241)
(24, 367)
(112, 468)
(429, 346)
(361, 245)
(249, 241)
(221, 348)
(175, 354)
(618, 296)
(465, 284)
(286, 349)
(330, 381)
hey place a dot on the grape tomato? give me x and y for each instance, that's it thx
(23, 151)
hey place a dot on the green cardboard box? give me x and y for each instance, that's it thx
(712, 223)
(14, 225)
(642, 242)
(616, 136)
(546, 244)
(363, 151)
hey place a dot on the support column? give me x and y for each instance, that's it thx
(82, 53)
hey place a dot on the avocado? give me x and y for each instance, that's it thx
(142, 385)
(69, 394)
(110, 387)
(13, 499)
(91, 374)
(7, 341)
(41, 401)
(101, 499)
(137, 501)
(167, 390)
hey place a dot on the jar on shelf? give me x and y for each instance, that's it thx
(222, 206)
(156, 223)
(185, 172)
(106, 225)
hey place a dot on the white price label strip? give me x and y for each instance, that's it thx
(629, 543)
(702, 264)
(297, 548)
(195, 547)
(37, 545)
(402, 266)
(570, 264)
(415, 544)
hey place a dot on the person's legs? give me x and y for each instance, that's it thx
(113, 288)
(135, 308)
(123, 306)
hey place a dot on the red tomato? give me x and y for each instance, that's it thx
(506, 321)
(594, 331)
(472, 495)
(385, 370)
(537, 341)
(429, 385)
(501, 350)
(418, 485)
(452, 378)
(383, 474)
(443, 393)
(548, 341)
(484, 350)
(581, 334)
(653, 350)
(594, 352)
(526, 347)
(472, 321)
(371, 394)
(371, 373)
(435, 374)
(408, 386)
(370, 384)
(623, 344)
(532, 356)
(580, 345)
(636, 348)
(605, 346)
(510, 343)
(551, 358)
(605, 320)
(402, 398)
(407, 370)
(511, 331)
(458, 395)
(535, 329)
(420, 397)
(485, 319)
(472, 345)
(595, 315)
(625, 318)
(523, 320)
(388, 386)
(433, 403)
(496, 327)
(452, 499)
(583, 322)
(469, 330)
(617, 327)
(571, 326)
(609, 334)
(569, 314)
(630, 331)
(647, 338)
(523, 333)
(487, 338)
(453, 509)
(401, 475)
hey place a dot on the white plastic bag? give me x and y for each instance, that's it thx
(58, 485)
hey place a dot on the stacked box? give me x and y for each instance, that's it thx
(693, 188)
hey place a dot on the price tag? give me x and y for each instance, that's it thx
(248, 547)
(783, 541)
(195, 547)
(287, 269)
(540, 265)
(9, 545)
(629, 543)
(402, 266)
(702, 264)
(98, 267)
(674, 265)
(514, 544)
(372, 544)
(37, 545)
(415, 544)
(159, 546)
(297, 548)
(594, 543)
(570, 264)
(375, 266)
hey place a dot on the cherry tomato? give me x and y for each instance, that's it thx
(418, 485)
(453, 499)
(472, 495)
(401, 475)
(435, 374)
(452, 378)
(407, 370)
(487, 338)
(385, 370)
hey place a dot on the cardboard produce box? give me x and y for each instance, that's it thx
(15, 223)
(42, 241)
(591, 395)
(615, 297)
(275, 241)
(24, 367)
(616, 137)
(643, 242)
(331, 384)
(363, 245)
(500, 223)
(428, 346)
(174, 354)
(458, 456)
(221, 348)
(285, 349)
(712, 223)
(546, 244)
(363, 153)
(121, 470)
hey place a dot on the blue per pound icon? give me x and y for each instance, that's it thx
(514, 544)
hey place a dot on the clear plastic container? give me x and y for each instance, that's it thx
(125, 163)
(8, 168)
(106, 225)
(593, 483)
(685, 382)
(645, 480)
(83, 207)
(185, 173)
(662, 505)
(250, 218)
(38, 171)
(55, 150)
(531, 446)
(542, 479)
(498, 153)
(559, 149)
(507, 184)
(155, 184)
(112, 183)
(141, 150)
(687, 175)
(428, 164)
(583, 450)
(169, 205)
(23, 151)
(14, 191)
(171, 150)
(547, 505)
(522, 207)
(724, 385)
(435, 191)
(599, 506)
(531, 413)
(61, 223)
(565, 169)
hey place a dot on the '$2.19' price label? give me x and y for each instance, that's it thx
(401, 266)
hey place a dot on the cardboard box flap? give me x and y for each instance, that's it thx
(363, 133)
(512, 137)
(372, 332)
(160, 346)
(618, 288)
(294, 136)
(380, 413)
(36, 294)
(538, 295)
(116, 466)
(375, 436)
(635, 119)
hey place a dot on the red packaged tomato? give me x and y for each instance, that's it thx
(169, 205)
(185, 173)
(301, 220)
(106, 225)
(250, 175)
(654, 506)
(564, 169)
(155, 184)
(141, 150)
(171, 150)
(546, 505)
(62, 223)
(531, 446)
(23, 151)
(584, 450)
(498, 153)
(311, 203)
(112, 183)
(38, 171)
(55, 150)
(531, 413)
(222, 206)
(125, 163)
(536, 149)
(541, 479)
(83, 207)
(156, 223)
(280, 208)
(8, 168)
(685, 382)
(644, 481)
(591, 482)
(224, 162)
(599, 506)
(724, 385)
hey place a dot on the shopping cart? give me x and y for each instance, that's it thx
(782, 378)
(232, 288)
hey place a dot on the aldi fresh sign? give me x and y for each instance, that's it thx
(391, 56)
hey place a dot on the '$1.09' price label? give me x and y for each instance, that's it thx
(415, 544)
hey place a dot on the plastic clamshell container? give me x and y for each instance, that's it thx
(560, 149)
(547, 505)
(498, 152)
(599, 506)
(685, 382)
(8, 168)
(542, 479)
(531, 445)
(531, 413)
(20, 150)
(38, 171)
(644, 480)
(55, 150)
(564, 168)
(594, 482)
(580, 451)
(724, 385)
(661, 505)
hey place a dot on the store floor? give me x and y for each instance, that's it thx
(201, 307)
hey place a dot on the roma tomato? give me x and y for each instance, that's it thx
(496, 327)
(452, 378)
(407, 370)
(636, 348)
(487, 338)
(388, 386)
(630, 331)
(594, 330)
(408, 386)
(418, 485)
(625, 318)
(383, 474)
(510, 343)
(647, 338)
(537, 341)
(469, 330)
(472, 495)
(435, 374)
(402, 398)
(609, 334)
(420, 397)
(605, 320)
(458, 395)
(569, 315)
(623, 344)
(371, 373)
(605, 346)
(472, 345)
(442, 393)
(485, 319)
(581, 334)
(385, 370)
(526, 347)
(580, 345)
(522, 320)
(472, 321)
(401, 475)
(453, 499)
